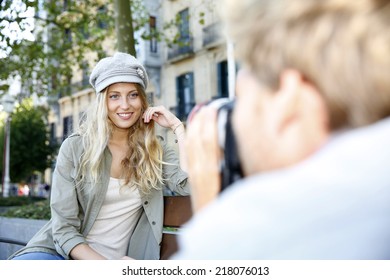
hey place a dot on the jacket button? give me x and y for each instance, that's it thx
(153, 223)
(146, 203)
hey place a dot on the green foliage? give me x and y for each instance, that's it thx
(38, 210)
(63, 37)
(170, 229)
(30, 149)
(19, 200)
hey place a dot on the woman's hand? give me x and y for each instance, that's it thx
(203, 157)
(84, 252)
(162, 116)
(166, 119)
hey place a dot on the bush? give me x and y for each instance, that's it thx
(27, 207)
(19, 200)
(39, 210)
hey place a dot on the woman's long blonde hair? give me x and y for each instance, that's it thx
(142, 166)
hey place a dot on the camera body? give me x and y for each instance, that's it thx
(230, 163)
(230, 166)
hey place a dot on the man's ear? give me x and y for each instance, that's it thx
(301, 117)
(286, 101)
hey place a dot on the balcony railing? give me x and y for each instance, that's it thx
(212, 34)
(181, 49)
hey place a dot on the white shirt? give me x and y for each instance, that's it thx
(116, 220)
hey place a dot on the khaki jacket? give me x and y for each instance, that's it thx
(74, 207)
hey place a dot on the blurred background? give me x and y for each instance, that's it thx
(48, 48)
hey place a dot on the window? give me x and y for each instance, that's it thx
(53, 138)
(153, 32)
(183, 45)
(102, 17)
(67, 31)
(85, 74)
(185, 95)
(68, 127)
(184, 26)
(222, 79)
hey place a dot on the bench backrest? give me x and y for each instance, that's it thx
(177, 211)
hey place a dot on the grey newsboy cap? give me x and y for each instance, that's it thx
(121, 67)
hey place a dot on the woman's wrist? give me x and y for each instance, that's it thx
(176, 128)
(179, 131)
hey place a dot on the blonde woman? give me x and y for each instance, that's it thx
(107, 191)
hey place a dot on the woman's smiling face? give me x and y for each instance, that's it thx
(124, 104)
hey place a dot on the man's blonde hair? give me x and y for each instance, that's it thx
(341, 46)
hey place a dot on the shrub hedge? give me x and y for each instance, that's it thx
(19, 200)
(26, 207)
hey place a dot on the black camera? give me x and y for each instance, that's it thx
(230, 163)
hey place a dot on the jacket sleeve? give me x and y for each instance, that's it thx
(64, 204)
(176, 178)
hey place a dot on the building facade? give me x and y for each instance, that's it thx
(194, 68)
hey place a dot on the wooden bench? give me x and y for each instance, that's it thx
(177, 211)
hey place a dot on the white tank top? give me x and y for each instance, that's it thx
(116, 220)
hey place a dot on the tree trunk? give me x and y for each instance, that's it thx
(124, 27)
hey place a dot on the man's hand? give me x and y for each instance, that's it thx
(203, 156)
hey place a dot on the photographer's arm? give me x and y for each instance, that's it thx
(203, 156)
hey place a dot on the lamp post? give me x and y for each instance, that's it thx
(8, 102)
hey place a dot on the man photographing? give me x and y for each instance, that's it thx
(312, 124)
